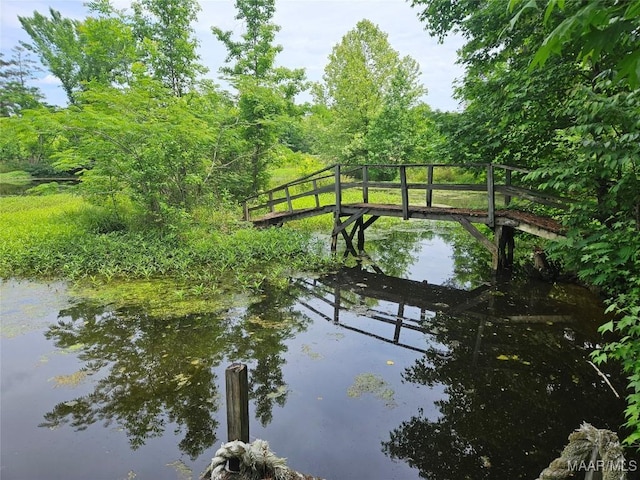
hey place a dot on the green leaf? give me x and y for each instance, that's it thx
(607, 327)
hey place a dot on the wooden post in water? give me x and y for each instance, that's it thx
(237, 385)
(503, 258)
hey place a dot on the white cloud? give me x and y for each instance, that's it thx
(309, 31)
(49, 80)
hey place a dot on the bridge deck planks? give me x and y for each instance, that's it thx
(528, 222)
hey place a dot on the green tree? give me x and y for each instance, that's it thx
(96, 49)
(166, 40)
(141, 141)
(15, 92)
(367, 89)
(265, 93)
(574, 120)
(601, 27)
(393, 134)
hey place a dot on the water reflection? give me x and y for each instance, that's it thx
(514, 390)
(494, 376)
(152, 372)
(512, 359)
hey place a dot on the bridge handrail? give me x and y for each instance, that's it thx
(339, 185)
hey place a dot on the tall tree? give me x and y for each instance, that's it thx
(15, 93)
(265, 93)
(99, 49)
(575, 118)
(367, 87)
(601, 27)
(165, 33)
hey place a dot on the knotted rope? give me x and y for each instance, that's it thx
(588, 447)
(256, 460)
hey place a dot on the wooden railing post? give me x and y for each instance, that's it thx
(271, 208)
(404, 192)
(315, 188)
(338, 191)
(507, 183)
(429, 185)
(365, 184)
(288, 195)
(337, 210)
(491, 208)
(245, 209)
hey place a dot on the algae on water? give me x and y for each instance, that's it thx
(375, 385)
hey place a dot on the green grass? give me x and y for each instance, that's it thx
(61, 236)
(17, 177)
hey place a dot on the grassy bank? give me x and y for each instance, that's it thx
(62, 236)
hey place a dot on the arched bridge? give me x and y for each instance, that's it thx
(498, 197)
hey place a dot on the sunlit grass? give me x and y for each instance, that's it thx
(58, 236)
(17, 177)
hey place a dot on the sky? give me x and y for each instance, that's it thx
(309, 31)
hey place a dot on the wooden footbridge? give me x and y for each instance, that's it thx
(356, 199)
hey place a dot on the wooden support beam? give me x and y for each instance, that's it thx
(356, 216)
(369, 222)
(505, 243)
(360, 227)
(477, 234)
(349, 243)
(271, 206)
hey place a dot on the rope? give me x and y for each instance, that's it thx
(257, 461)
(586, 444)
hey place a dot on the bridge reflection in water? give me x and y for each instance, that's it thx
(353, 289)
(511, 362)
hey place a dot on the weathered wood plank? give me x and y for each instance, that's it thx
(477, 234)
(404, 192)
(237, 394)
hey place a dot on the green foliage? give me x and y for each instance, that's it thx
(166, 39)
(96, 49)
(265, 93)
(143, 141)
(576, 122)
(15, 94)
(601, 27)
(366, 100)
(62, 236)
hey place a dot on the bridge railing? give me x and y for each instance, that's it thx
(416, 184)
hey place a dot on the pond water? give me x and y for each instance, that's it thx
(408, 366)
(20, 188)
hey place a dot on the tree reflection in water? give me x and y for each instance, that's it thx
(154, 371)
(511, 398)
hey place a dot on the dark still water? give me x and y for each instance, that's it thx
(410, 368)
